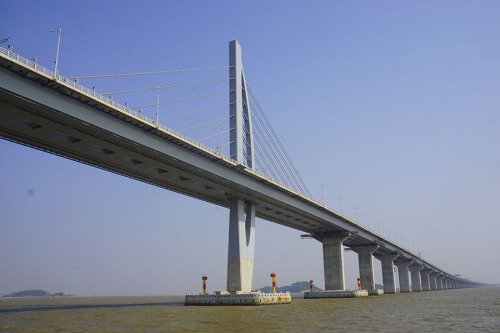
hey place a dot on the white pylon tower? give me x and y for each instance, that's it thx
(241, 247)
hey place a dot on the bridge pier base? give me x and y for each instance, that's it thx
(241, 250)
(333, 259)
(387, 261)
(365, 259)
(424, 275)
(404, 275)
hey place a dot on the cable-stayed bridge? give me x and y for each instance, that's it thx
(245, 168)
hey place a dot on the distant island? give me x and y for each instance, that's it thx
(34, 293)
(296, 287)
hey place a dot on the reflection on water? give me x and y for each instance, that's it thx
(465, 310)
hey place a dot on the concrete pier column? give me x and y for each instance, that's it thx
(445, 283)
(241, 246)
(424, 276)
(416, 279)
(439, 282)
(433, 280)
(365, 259)
(404, 275)
(333, 259)
(387, 261)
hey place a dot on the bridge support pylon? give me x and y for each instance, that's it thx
(388, 280)
(365, 259)
(404, 275)
(333, 259)
(433, 280)
(416, 277)
(241, 250)
(424, 275)
(439, 282)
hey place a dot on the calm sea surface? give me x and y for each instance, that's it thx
(464, 310)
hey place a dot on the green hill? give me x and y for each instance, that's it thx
(296, 287)
(32, 293)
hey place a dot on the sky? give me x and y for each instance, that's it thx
(391, 107)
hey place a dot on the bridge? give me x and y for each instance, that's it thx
(41, 109)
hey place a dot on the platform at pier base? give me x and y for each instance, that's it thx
(238, 298)
(335, 294)
(376, 292)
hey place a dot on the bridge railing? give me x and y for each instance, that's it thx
(28, 63)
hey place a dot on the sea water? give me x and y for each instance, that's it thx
(457, 310)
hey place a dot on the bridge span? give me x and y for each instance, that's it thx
(48, 112)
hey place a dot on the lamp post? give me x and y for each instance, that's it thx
(221, 137)
(4, 40)
(57, 54)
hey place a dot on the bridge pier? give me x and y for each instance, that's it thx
(333, 259)
(424, 275)
(241, 249)
(439, 282)
(416, 278)
(404, 275)
(387, 261)
(433, 280)
(365, 259)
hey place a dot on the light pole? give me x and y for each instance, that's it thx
(221, 137)
(322, 194)
(4, 40)
(57, 54)
(158, 108)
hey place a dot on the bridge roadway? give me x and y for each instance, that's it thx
(59, 116)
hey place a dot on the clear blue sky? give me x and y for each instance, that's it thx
(392, 105)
